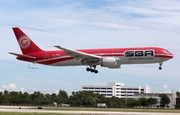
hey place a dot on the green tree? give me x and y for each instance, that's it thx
(152, 101)
(178, 100)
(25, 98)
(178, 94)
(36, 98)
(84, 98)
(143, 102)
(164, 100)
(62, 97)
(1, 98)
(177, 103)
(54, 97)
(132, 103)
(5, 97)
(47, 99)
(14, 98)
(114, 102)
(92, 102)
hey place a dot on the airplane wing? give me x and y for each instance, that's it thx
(24, 56)
(84, 57)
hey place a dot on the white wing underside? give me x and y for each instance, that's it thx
(85, 58)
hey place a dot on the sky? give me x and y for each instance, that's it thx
(83, 24)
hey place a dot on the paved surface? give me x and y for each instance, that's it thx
(25, 110)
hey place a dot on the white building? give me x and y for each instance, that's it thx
(127, 92)
(116, 89)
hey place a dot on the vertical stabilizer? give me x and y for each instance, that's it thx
(25, 43)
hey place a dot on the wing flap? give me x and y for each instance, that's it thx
(24, 56)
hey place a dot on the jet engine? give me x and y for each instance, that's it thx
(110, 62)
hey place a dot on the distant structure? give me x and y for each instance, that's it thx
(171, 96)
(127, 92)
(116, 89)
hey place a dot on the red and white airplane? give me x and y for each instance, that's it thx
(107, 57)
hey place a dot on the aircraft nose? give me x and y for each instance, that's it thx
(171, 55)
(168, 54)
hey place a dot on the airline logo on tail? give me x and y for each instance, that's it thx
(24, 42)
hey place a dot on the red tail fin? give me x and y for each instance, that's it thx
(26, 44)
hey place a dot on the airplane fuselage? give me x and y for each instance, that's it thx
(141, 55)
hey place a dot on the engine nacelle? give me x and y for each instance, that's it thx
(110, 62)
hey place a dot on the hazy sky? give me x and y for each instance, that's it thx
(89, 24)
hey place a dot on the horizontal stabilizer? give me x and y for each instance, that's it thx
(24, 56)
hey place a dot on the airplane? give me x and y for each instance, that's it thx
(31, 67)
(105, 57)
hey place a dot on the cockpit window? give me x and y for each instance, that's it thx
(166, 51)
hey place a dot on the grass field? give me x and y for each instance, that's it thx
(91, 109)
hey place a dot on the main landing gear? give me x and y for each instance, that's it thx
(92, 70)
(160, 66)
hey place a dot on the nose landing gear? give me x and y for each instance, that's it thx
(160, 66)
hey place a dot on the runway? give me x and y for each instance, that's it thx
(26, 110)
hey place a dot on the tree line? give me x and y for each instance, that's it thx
(77, 99)
(178, 100)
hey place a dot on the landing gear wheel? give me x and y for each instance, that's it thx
(92, 70)
(160, 68)
(96, 71)
(87, 69)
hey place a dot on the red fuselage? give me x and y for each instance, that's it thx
(59, 58)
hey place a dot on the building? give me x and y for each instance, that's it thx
(116, 89)
(127, 92)
(156, 96)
